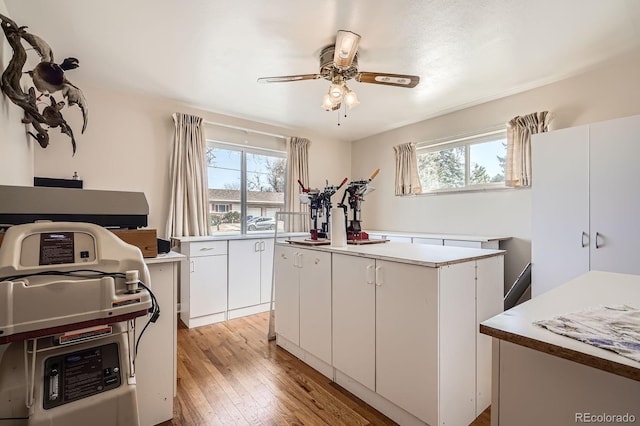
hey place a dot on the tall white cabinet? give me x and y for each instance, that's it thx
(585, 202)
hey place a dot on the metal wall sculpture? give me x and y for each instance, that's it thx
(47, 77)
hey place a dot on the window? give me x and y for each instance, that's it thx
(246, 188)
(473, 162)
(221, 208)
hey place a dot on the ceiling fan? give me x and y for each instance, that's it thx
(339, 63)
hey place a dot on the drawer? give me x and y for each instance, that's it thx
(204, 248)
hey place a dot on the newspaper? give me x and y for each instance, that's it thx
(615, 328)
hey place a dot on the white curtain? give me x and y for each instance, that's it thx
(407, 179)
(188, 211)
(519, 131)
(297, 169)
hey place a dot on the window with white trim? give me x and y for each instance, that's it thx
(246, 188)
(467, 163)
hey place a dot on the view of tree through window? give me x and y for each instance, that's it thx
(478, 162)
(250, 183)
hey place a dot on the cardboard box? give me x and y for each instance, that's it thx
(145, 239)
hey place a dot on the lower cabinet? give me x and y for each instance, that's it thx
(157, 351)
(406, 334)
(250, 275)
(203, 283)
(354, 316)
(303, 299)
(385, 330)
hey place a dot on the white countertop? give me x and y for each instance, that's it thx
(172, 256)
(457, 237)
(590, 290)
(417, 254)
(253, 236)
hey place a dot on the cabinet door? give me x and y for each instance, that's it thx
(315, 303)
(287, 305)
(266, 270)
(407, 336)
(354, 305)
(560, 207)
(615, 198)
(208, 285)
(244, 273)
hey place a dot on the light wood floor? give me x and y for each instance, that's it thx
(230, 374)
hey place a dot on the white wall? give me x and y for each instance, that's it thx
(605, 92)
(16, 150)
(128, 142)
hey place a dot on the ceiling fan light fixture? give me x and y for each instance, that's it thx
(351, 99)
(327, 103)
(336, 91)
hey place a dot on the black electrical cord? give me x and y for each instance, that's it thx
(155, 313)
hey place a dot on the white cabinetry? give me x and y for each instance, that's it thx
(452, 240)
(303, 299)
(250, 267)
(156, 358)
(409, 333)
(203, 283)
(354, 315)
(584, 201)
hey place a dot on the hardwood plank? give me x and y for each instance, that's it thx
(230, 374)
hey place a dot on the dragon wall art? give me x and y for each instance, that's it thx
(48, 78)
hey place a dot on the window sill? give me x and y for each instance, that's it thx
(464, 191)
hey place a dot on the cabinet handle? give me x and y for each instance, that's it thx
(598, 245)
(193, 266)
(585, 235)
(284, 256)
(256, 246)
(207, 248)
(379, 276)
(370, 276)
(299, 260)
(262, 245)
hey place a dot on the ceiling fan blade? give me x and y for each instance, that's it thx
(346, 48)
(285, 78)
(398, 80)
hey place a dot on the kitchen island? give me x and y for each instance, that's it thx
(542, 378)
(394, 323)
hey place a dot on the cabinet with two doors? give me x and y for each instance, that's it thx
(224, 279)
(404, 337)
(303, 300)
(585, 201)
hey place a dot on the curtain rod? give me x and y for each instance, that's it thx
(244, 129)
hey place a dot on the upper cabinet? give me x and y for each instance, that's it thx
(585, 201)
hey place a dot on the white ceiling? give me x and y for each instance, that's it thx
(209, 53)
